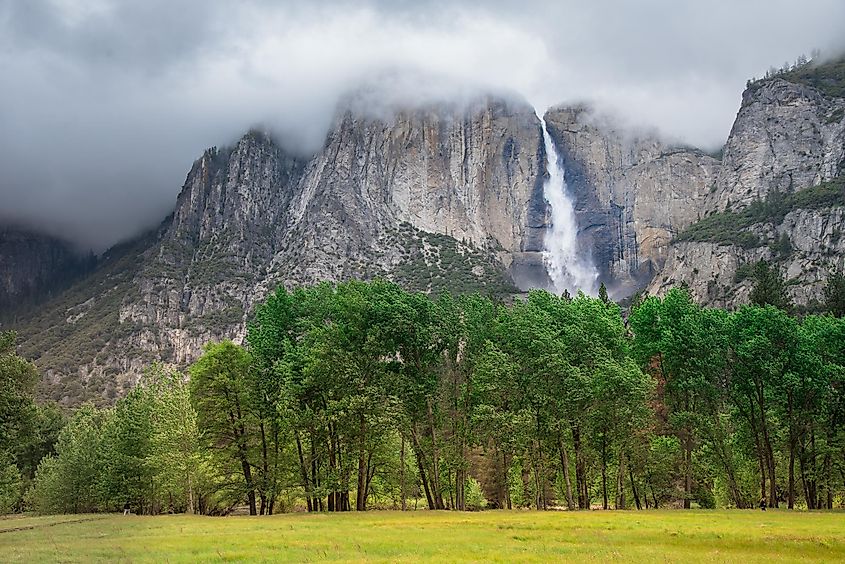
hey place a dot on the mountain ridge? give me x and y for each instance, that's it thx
(437, 198)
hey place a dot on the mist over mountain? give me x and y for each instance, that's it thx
(105, 102)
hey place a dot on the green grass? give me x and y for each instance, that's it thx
(499, 536)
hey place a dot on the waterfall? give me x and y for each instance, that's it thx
(568, 268)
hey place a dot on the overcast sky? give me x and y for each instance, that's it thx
(104, 104)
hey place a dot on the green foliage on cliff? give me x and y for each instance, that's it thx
(828, 78)
(437, 263)
(731, 228)
(769, 287)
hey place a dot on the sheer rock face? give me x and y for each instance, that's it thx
(33, 266)
(786, 137)
(633, 194)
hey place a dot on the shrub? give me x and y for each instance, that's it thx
(475, 499)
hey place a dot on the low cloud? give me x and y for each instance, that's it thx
(105, 103)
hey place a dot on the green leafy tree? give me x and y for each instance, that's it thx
(127, 475)
(176, 458)
(17, 385)
(763, 346)
(69, 481)
(603, 293)
(278, 323)
(220, 394)
(11, 486)
(815, 409)
(38, 439)
(17, 414)
(685, 346)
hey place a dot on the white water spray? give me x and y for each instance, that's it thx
(568, 268)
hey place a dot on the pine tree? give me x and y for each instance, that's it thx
(834, 293)
(603, 293)
(770, 288)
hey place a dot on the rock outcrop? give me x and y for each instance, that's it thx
(722, 274)
(787, 136)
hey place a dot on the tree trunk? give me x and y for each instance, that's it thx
(317, 502)
(620, 482)
(687, 471)
(727, 463)
(808, 494)
(634, 489)
(827, 481)
(506, 462)
(250, 492)
(815, 480)
(303, 470)
(334, 495)
(402, 475)
(767, 444)
(790, 503)
(580, 469)
(371, 471)
(418, 454)
(361, 499)
(265, 469)
(758, 445)
(564, 463)
(238, 433)
(604, 476)
(541, 474)
(437, 491)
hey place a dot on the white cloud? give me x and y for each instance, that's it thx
(105, 103)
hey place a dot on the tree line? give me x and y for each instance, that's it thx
(362, 394)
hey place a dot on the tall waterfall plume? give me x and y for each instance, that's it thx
(569, 269)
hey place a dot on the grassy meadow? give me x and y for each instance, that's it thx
(499, 536)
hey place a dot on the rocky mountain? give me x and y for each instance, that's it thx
(36, 266)
(436, 196)
(447, 195)
(779, 194)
